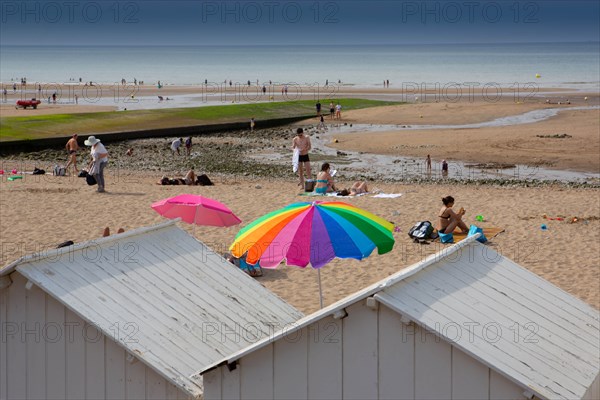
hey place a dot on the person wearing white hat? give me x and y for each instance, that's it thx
(98, 162)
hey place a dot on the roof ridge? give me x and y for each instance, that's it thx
(43, 254)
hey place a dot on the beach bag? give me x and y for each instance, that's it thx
(421, 230)
(473, 230)
(90, 180)
(82, 174)
(59, 170)
(446, 237)
(37, 171)
(309, 185)
(204, 180)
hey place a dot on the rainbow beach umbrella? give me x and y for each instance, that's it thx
(313, 234)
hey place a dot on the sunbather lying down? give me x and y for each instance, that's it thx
(252, 270)
(359, 187)
(188, 179)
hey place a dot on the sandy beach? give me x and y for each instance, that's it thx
(39, 212)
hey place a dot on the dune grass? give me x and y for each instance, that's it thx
(59, 125)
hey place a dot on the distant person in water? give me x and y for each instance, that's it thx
(444, 168)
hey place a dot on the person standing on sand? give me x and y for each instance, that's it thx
(98, 162)
(302, 143)
(72, 146)
(318, 107)
(188, 146)
(252, 123)
(338, 111)
(428, 164)
(175, 145)
(331, 110)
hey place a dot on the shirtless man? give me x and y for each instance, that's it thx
(302, 143)
(72, 148)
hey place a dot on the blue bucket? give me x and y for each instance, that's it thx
(473, 230)
(446, 237)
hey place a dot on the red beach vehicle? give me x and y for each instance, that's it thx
(28, 103)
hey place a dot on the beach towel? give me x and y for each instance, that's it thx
(295, 160)
(317, 194)
(388, 195)
(489, 233)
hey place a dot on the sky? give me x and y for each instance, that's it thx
(298, 22)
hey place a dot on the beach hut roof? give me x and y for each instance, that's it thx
(180, 306)
(518, 324)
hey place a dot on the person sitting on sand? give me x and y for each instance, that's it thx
(324, 180)
(252, 270)
(359, 188)
(448, 219)
(106, 231)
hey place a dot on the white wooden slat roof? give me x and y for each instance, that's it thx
(507, 317)
(510, 319)
(164, 296)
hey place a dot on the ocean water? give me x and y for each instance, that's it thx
(558, 64)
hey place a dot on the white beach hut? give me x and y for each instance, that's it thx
(466, 323)
(130, 316)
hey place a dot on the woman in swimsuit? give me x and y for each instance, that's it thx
(449, 220)
(324, 180)
(359, 188)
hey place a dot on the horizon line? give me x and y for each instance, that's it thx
(298, 44)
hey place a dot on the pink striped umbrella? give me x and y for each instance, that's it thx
(196, 210)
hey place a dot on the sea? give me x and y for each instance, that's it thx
(573, 65)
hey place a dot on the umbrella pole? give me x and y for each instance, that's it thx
(320, 289)
(194, 223)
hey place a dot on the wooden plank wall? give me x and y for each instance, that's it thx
(370, 354)
(54, 354)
